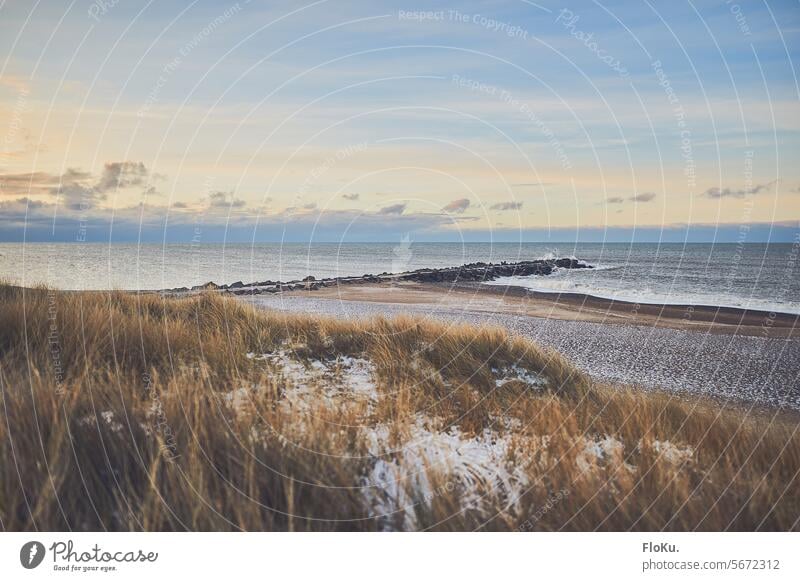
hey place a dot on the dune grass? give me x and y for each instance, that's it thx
(138, 412)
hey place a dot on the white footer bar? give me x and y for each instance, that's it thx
(415, 556)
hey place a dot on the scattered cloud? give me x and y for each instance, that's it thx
(351, 197)
(642, 198)
(506, 206)
(225, 200)
(23, 218)
(716, 193)
(122, 174)
(394, 209)
(638, 198)
(35, 183)
(78, 189)
(457, 206)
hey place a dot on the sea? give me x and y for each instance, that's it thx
(754, 276)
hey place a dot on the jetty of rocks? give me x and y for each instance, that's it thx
(474, 272)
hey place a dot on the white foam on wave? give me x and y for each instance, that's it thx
(582, 282)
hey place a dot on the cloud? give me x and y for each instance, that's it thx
(23, 214)
(716, 193)
(638, 198)
(37, 183)
(224, 200)
(351, 197)
(457, 206)
(121, 174)
(78, 189)
(645, 197)
(37, 220)
(77, 196)
(506, 206)
(395, 209)
(42, 220)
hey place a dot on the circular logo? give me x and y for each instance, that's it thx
(31, 554)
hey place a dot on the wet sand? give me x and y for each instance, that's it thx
(570, 307)
(745, 357)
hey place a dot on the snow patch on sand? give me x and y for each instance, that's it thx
(673, 453)
(479, 470)
(608, 450)
(601, 451)
(108, 418)
(517, 373)
(312, 382)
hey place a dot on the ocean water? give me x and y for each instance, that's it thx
(756, 276)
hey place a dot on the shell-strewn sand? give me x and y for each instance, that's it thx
(742, 364)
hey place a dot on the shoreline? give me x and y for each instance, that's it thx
(446, 285)
(566, 306)
(706, 317)
(438, 285)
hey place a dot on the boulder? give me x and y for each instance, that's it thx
(208, 286)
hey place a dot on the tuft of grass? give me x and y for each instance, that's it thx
(138, 412)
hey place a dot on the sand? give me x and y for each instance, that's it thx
(747, 358)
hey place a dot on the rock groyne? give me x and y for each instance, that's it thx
(474, 272)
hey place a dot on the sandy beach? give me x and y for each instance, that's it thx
(749, 358)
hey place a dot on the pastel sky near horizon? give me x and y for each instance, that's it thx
(337, 121)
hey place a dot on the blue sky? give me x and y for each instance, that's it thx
(372, 120)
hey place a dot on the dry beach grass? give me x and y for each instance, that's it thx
(137, 412)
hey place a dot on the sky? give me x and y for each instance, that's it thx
(339, 121)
